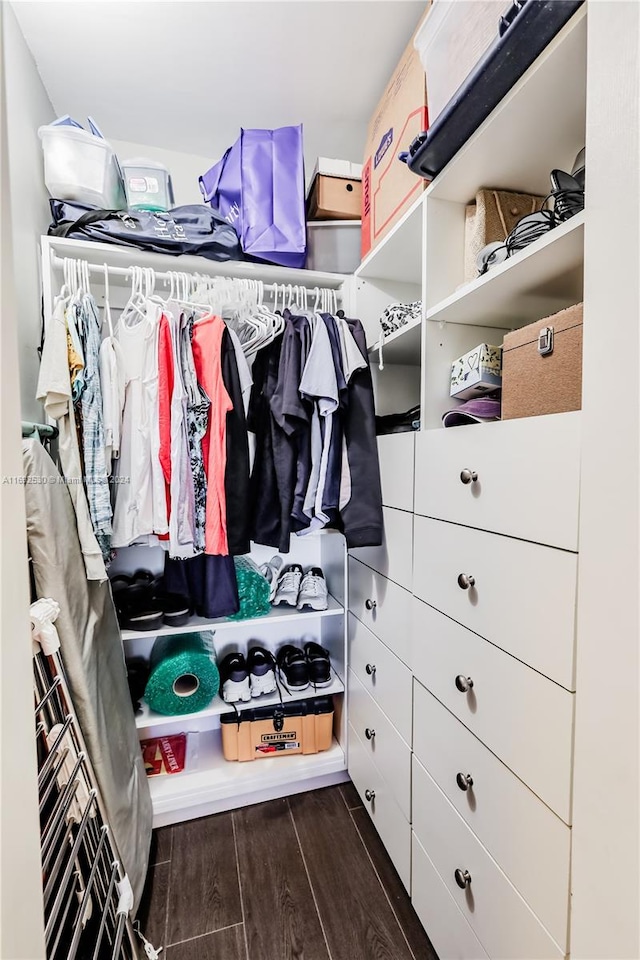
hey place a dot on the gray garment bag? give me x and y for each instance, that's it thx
(93, 659)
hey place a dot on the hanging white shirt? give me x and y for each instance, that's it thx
(112, 381)
(139, 504)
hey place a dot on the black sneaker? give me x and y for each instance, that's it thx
(234, 678)
(293, 669)
(262, 674)
(319, 663)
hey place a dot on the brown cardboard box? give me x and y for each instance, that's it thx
(533, 384)
(388, 186)
(334, 198)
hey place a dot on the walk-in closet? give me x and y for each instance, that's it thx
(320, 504)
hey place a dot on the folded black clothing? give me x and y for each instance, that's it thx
(398, 422)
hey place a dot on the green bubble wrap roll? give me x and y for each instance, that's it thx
(253, 590)
(184, 677)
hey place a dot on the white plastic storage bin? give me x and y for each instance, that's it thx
(451, 40)
(82, 167)
(333, 245)
(147, 185)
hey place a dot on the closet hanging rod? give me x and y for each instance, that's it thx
(166, 275)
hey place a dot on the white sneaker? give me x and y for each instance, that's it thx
(270, 571)
(289, 585)
(313, 590)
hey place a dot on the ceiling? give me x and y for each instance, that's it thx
(186, 75)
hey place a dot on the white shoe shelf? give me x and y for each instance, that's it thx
(210, 784)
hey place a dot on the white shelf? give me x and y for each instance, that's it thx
(539, 125)
(544, 277)
(217, 784)
(401, 346)
(398, 256)
(279, 614)
(116, 256)
(148, 719)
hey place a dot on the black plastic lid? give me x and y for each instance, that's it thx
(294, 708)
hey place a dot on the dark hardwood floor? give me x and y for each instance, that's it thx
(304, 878)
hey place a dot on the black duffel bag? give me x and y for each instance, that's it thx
(194, 229)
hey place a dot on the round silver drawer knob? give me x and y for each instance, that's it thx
(369, 733)
(464, 684)
(370, 604)
(468, 476)
(466, 580)
(463, 878)
(464, 781)
(370, 668)
(370, 795)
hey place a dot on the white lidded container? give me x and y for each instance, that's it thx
(453, 36)
(333, 246)
(82, 167)
(147, 185)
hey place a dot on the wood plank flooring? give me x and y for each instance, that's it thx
(304, 878)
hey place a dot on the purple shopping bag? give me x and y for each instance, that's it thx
(258, 187)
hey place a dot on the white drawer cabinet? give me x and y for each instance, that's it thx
(439, 914)
(522, 596)
(393, 558)
(382, 605)
(525, 719)
(378, 799)
(529, 842)
(527, 476)
(380, 672)
(505, 925)
(385, 746)
(396, 455)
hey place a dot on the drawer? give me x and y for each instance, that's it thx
(502, 921)
(383, 743)
(529, 842)
(449, 932)
(521, 716)
(394, 829)
(387, 679)
(523, 599)
(382, 605)
(533, 462)
(394, 558)
(396, 455)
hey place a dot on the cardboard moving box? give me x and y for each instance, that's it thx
(388, 186)
(334, 198)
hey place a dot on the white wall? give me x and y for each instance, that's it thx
(21, 912)
(28, 107)
(605, 919)
(185, 168)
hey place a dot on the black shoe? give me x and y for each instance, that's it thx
(176, 608)
(261, 665)
(319, 663)
(293, 668)
(234, 678)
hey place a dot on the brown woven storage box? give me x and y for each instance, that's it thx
(491, 217)
(534, 385)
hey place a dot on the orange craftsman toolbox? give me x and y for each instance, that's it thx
(301, 726)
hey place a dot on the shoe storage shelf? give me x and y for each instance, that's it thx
(210, 784)
(446, 685)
